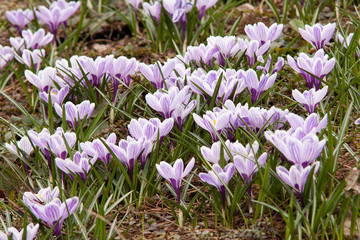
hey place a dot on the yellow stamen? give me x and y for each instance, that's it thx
(214, 122)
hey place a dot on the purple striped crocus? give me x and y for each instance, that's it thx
(203, 5)
(261, 33)
(258, 86)
(310, 99)
(6, 54)
(213, 153)
(311, 124)
(57, 95)
(38, 39)
(51, 210)
(213, 122)
(227, 47)
(74, 114)
(312, 68)
(80, 165)
(56, 14)
(32, 59)
(152, 9)
(14, 234)
(253, 49)
(97, 147)
(59, 140)
(127, 152)
(157, 73)
(213, 178)
(318, 35)
(150, 129)
(302, 151)
(45, 79)
(20, 18)
(297, 176)
(175, 174)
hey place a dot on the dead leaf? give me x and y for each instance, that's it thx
(352, 182)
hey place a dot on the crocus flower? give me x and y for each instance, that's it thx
(297, 176)
(44, 79)
(213, 178)
(14, 234)
(31, 58)
(318, 35)
(20, 18)
(153, 9)
(95, 70)
(201, 54)
(357, 121)
(301, 151)
(261, 33)
(178, 9)
(156, 73)
(312, 68)
(175, 174)
(347, 41)
(244, 159)
(121, 69)
(37, 39)
(6, 55)
(18, 44)
(253, 49)
(310, 99)
(166, 102)
(150, 129)
(213, 121)
(311, 124)
(74, 114)
(135, 3)
(23, 148)
(181, 112)
(54, 16)
(256, 86)
(42, 141)
(53, 212)
(205, 84)
(277, 67)
(96, 147)
(227, 46)
(203, 5)
(43, 196)
(213, 154)
(127, 152)
(80, 164)
(57, 95)
(57, 142)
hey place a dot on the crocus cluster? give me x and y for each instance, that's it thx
(46, 206)
(300, 146)
(31, 40)
(53, 143)
(14, 234)
(230, 117)
(312, 68)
